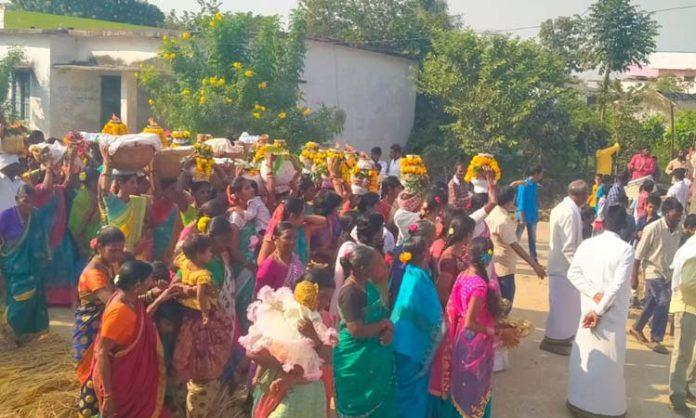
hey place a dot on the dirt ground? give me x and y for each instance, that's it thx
(535, 384)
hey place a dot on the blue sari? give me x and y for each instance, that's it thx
(418, 330)
(24, 262)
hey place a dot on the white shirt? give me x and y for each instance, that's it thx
(383, 167)
(256, 211)
(680, 191)
(8, 191)
(403, 219)
(394, 168)
(596, 384)
(565, 226)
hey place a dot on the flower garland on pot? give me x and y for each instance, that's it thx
(115, 127)
(474, 175)
(181, 138)
(414, 173)
(204, 162)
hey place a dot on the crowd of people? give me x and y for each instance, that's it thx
(403, 294)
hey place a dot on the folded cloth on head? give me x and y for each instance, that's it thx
(55, 151)
(132, 140)
(411, 204)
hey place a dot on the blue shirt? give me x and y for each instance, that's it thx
(527, 201)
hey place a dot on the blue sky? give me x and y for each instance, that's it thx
(677, 34)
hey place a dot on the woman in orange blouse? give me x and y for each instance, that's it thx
(129, 372)
(94, 290)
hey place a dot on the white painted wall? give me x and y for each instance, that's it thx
(376, 91)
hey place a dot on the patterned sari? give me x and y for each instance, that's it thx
(418, 330)
(24, 260)
(464, 389)
(138, 375)
(166, 226)
(84, 220)
(88, 317)
(364, 368)
(128, 217)
(61, 276)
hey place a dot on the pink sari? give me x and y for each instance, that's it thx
(138, 375)
(468, 385)
(276, 274)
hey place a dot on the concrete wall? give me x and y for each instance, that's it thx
(376, 92)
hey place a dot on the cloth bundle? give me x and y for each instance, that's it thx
(275, 318)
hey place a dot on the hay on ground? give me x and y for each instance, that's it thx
(38, 379)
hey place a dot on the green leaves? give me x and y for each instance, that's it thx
(233, 73)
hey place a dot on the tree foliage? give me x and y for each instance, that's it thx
(566, 37)
(684, 129)
(137, 12)
(403, 26)
(8, 63)
(235, 73)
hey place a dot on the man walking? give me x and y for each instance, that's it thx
(458, 195)
(600, 271)
(528, 207)
(683, 307)
(658, 244)
(394, 167)
(506, 249)
(565, 226)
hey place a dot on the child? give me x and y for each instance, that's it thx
(651, 214)
(587, 214)
(247, 206)
(203, 345)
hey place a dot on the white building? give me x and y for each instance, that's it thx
(74, 79)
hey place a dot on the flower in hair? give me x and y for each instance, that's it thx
(93, 243)
(437, 199)
(117, 279)
(450, 231)
(412, 229)
(202, 224)
(405, 257)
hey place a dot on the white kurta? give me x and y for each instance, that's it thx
(596, 368)
(565, 226)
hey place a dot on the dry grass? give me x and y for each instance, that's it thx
(38, 379)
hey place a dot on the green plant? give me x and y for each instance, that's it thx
(235, 73)
(8, 63)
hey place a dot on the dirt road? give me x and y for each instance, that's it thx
(535, 384)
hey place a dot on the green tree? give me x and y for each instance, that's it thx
(566, 37)
(620, 35)
(137, 12)
(8, 63)
(684, 129)
(502, 95)
(402, 26)
(236, 73)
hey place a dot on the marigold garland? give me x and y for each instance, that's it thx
(478, 163)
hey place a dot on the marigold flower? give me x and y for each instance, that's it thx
(282, 115)
(248, 73)
(185, 36)
(151, 102)
(263, 85)
(237, 65)
(405, 257)
(256, 115)
(307, 111)
(185, 92)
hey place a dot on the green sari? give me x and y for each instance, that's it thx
(83, 221)
(128, 217)
(23, 266)
(364, 368)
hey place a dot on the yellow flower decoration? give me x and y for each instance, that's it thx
(282, 115)
(202, 224)
(307, 111)
(82, 176)
(248, 73)
(256, 115)
(478, 163)
(185, 92)
(405, 257)
(263, 85)
(151, 102)
(185, 36)
(237, 65)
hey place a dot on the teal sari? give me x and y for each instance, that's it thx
(24, 264)
(364, 368)
(418, 330)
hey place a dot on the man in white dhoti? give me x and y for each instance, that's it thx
(564, 300)
(601, 272)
